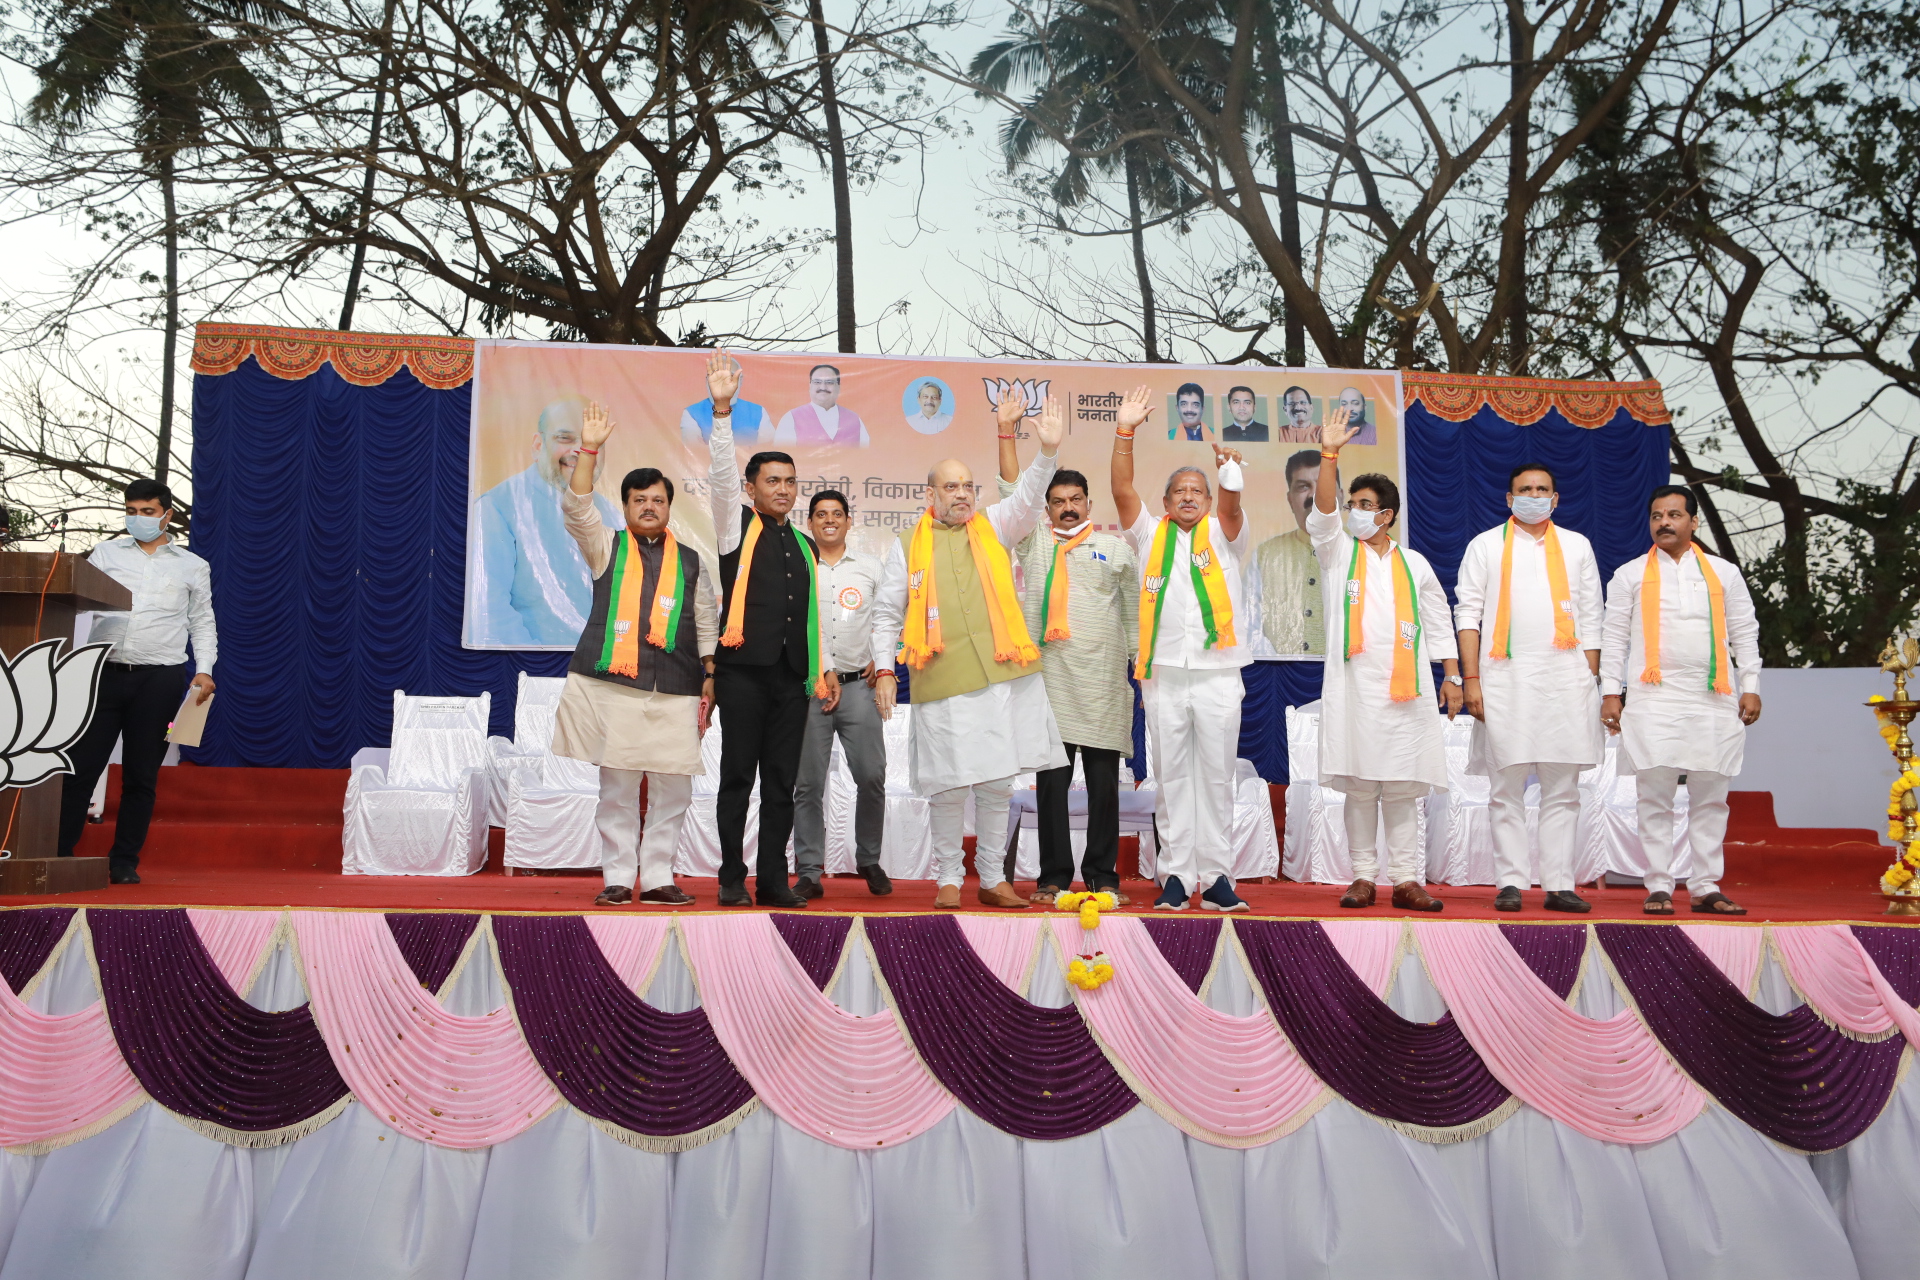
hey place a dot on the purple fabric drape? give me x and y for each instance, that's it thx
(607, 1051)
(26, 940)
(816, 941)
(1896, 950)
(1032, 1072)
(1187, 944)
(431, 941)
(1792, 1077)
(194, 1044)
(1416, 1073)
(1552, 951)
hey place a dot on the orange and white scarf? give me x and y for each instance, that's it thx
(736, 633)
(1719, 670)
(620, 643)
(1053, 604)
(1405, 684)
(1563, 634)
(1209, 590)
(920, 639)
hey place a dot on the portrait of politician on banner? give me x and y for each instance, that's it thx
(870, 427)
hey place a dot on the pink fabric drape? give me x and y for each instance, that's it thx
(450, 1080)
(1229, 1081)
(851, 1081)
(1842, 983)
(235, 941)
(1608, 1079)
(631, 944)
(1003, 943)
(1734, 950)
(60, 1075)
(1369, 947)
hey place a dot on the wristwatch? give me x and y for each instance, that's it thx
(1459, 680)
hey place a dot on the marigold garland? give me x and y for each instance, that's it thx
(1090, 905)
(1899, 877)
(1089, 971)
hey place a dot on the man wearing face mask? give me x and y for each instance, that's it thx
(1527, 607)
(1682, 643)
(641, 672)
(144, 677)
(1189, 660)
(1080, 606)
(947, 608)
(1381, 742)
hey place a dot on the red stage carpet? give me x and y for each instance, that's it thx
(271, 838)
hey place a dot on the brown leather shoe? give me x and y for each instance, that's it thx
(614, 895)
(948, 899)
(670, 895)
(1002, 895)
(1408, 895)
(1359, 894)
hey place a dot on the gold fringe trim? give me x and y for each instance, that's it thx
(282, 935)
(48, 1145)
(839, 965)
(466, 953)
(676, 1142)
(267, 1137)
(1456, 1133)
(74, 923)
(1771, 948)
(1213, 965)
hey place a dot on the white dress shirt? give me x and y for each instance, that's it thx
(172, 600)
(1182, 638)
(847, 593)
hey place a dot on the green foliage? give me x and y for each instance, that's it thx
(1860, 585)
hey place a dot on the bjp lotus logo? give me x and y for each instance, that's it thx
(44, 708)
(1032, 393)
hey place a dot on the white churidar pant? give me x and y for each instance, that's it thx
(1706, 828)
(623, 849)
(1193, 748)
(1399, 801)
(1559, 824)
(947, 811)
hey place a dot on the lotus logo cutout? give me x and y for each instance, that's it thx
(1032, 392)
(44, 708)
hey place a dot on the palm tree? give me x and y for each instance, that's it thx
(177, 63)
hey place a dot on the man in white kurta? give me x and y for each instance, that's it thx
(1385, 753)
(977, 721)
(1530, 686)
(1674, 723)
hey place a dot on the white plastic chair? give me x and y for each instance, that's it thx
(419, 807)
(1619, 827)
(535, 702)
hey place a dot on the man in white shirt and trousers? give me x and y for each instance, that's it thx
(145, 676)
(1683, 644)
(1381, 741)
(1527, 605)
(849, 581)
(1190, 655)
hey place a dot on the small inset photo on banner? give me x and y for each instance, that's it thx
(1190, 413)
(1246, 421)
(928, 406)
(822, 421)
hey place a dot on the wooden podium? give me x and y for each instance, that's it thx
(35, 606)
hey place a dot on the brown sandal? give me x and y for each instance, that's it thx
(1658, 904)
(1718, 904)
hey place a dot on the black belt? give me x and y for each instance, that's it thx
(144, 666)
(848, 677)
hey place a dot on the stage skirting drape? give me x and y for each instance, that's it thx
(330, 477)
(440, 1095)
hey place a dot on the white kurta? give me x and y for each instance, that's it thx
(987, 734)
(1542, 706)
(1679, 723)
(1365, 736)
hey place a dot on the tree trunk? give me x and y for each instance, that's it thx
(1286, 181)
(1149, 328)
(842, 189)
(163, 445)
(366, 189)
(669, 193)
(1519, 154)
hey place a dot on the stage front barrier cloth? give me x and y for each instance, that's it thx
(460, 1096)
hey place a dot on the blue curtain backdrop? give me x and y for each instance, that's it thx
(334, 517)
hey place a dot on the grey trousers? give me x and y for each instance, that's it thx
(864, 739)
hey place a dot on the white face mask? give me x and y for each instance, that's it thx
(1528, 509)
(1361, 524)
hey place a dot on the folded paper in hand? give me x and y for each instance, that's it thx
(190, 720)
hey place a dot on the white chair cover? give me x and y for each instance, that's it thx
(535, 702)
(419, 808)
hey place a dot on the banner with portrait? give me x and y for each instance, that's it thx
(870, 427)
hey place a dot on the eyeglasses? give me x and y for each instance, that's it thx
(1364, 504)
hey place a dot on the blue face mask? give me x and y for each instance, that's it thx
(144, 528)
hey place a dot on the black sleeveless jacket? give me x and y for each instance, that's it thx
(775, 622)
(679, 672)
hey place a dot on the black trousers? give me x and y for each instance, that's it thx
(1100, 867)
(763, 724)
(136, 704)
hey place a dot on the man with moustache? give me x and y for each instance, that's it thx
(947, 608)
(1081, 607)
(1298, 427)
(823, 420)
(1191, 402)
(770, 666)
(1285, 582)
(1527, 609)
(640, 671)
(1682, 645)
(1381, 742)
(1189, 660)
(849, 581)
(531, 588)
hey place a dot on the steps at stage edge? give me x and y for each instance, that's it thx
(235, 819)
(1762, 853)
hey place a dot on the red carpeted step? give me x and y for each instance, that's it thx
(235, 819)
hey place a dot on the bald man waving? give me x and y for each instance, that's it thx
(947, 608)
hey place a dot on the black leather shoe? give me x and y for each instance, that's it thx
(1568, 900)
(808, 887)
(1508, 899)
(123, 877)
(878, 883)
(780, 896)
(735, 897)
(671, 895)
(614, 895)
